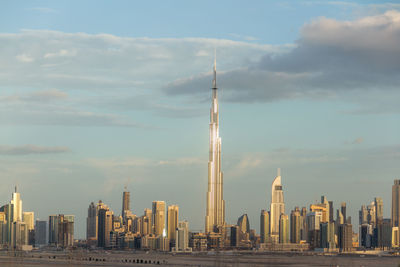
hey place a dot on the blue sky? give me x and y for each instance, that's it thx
(96, 95)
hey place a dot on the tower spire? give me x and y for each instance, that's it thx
(215, 70)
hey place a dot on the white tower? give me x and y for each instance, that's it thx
(16, 203)
(277, 206)
(215, 213)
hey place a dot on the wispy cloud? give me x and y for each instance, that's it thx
(44, 9)
(31, 149)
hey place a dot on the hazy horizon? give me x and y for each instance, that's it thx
(95, 96)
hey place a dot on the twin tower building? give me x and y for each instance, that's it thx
(215, 211)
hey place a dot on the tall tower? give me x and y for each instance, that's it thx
(125, 202)
(16, 203)
(215, 213)
(172, 222)
(277, 206)
(91, 223)
(396, 204)
(158, 220)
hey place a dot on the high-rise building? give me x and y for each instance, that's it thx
(295, 226)
(379, 209)
(91, 224)
(53, 229)
(327, 231)
(182, 236)
(264, 226)
(284, 229)
(65, 230)
(303, 219)
(158, 220)
(125, 202)
(343, 211)
(363, 215)
(330, 203)
(244, 224)
(146, 226)
(61, 230)
(104, 225)
(40, 233)
(396, 204)
(29, 220)
(172, 223)
(277, 206)
(16, 204)
(19, 235)
(345, 237)
(215, 212)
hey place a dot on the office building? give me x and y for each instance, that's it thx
(40, 233)
(104, 225)
(125, 203)
(158, 220)
(295, 226)
(396, 205)
(182, 236)
(91, 224)
(284, 229)
(172, 223)
(345, 237)
(264, 226)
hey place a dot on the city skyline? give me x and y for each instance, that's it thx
(90, 108)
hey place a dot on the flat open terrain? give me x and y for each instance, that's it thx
(61, 259)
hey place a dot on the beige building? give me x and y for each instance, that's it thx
(172, 222)
(29, 219)
(264, 226)
(158, 221)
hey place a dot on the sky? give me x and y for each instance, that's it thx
(98, 95)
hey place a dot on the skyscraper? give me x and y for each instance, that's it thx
(379, 209)
(125, 202)
(16, 204)
(215, 213)
(172, 222)
(61, 230)
(29, 220)
(182, 236)
(244, 224)
(277, 206)
(264, 226)
(396, 204)
(295, 226)
(104, 225)
(284, 229)
(40, 232)
(91, 223)
(158, 220)
(343, 211)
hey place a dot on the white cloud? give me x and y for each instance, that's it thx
(44, 9)
(24, 58)
(332, 58)
(30, 149)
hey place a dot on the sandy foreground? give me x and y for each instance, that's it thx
(101, 258)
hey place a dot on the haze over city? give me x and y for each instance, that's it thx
(96, 96)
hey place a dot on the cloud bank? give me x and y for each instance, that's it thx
(330, 58)
(31, 149)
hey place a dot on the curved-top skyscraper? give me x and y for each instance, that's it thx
(215, 213)
(277, 205)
